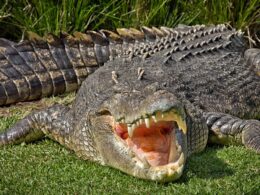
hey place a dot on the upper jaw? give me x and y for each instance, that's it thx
(171, 114)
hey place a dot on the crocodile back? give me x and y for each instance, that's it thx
(40, 67)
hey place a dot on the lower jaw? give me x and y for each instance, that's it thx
(165, 173)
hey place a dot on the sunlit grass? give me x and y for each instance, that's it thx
(45, 167)
(4, 10)
(70, 16)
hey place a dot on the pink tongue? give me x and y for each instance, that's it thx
(155, 147)
(156, 158)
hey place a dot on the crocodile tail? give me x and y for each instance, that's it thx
(51, 65)
(35, 68)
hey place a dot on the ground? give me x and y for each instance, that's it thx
(46, 167)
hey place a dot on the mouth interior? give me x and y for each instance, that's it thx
(155, 143)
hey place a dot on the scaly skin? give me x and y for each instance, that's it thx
(146, 115)
(45, 66)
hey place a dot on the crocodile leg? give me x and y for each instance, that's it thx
(227, 129)
(33, 127)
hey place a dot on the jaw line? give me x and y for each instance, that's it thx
(163, 173)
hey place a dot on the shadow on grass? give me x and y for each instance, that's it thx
(206, 165)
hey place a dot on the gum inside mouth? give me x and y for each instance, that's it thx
(153, 138)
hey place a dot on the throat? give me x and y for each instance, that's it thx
(154, 149)
(154, 145)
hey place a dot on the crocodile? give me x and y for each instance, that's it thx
(43, 66)
(145, 115)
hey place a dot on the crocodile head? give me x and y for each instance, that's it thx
(138, 125)
(148, 138)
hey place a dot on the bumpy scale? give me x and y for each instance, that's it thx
(51, 65)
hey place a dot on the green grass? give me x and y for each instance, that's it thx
(45, 167)
(81, 15)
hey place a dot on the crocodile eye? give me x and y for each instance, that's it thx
(104, 112)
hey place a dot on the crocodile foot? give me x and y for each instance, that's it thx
(38, 124)
(226, 129)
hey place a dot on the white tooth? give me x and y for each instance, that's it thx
(143, 163)
(144, 160)
(181, 159)
(123, 120)
(181, 124)
(147, 122)
(130, 130)
(141, 121)
(162, 115)
(179, 148)
(180, 170)
(133, 126)
(174, 166)
(154, 118)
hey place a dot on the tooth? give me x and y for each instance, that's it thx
(179, 148)
(133, 127)
(147, 122)
(162, 115)
(174, 166)
(142, 163)
(123, 120)
(129, 126)
(180, 170)
(182, 124)
(154, 118)
(181, 159)
(130, 130)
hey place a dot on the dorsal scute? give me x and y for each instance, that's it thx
(112, 36)
(84, 38)
(188, 41)
(70, 40)
(53, 40)
(98, 38)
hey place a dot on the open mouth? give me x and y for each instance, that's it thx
(154, 138)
